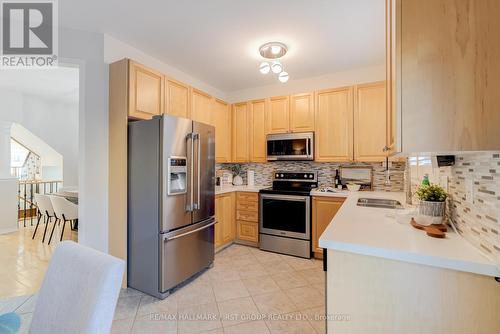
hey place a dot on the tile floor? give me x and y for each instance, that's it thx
(246, 291)
(24, 261)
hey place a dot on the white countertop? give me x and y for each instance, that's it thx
(337, 193)
(375, 232)
(228, 189)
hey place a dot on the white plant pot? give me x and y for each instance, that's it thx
(430, 213)
(237, 180)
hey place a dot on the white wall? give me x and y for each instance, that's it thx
(86, 50)
(53, 122)
(339, 79)
(115, 49)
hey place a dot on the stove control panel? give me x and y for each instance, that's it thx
(296, 176)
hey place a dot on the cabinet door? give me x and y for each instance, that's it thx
(334, 128)
(450, 75)
(278, 120)
(240, 132)
(248, 231)
(221, 119)
(229, 226)
(146, 92)
(323, 211)
(177, 98)
(258, 131)
(370, 124)
(219, 217)
(302, 113)
(201, 107)
(393, 61)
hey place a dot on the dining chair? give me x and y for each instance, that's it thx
(46, 211)
(65, 210)
(79, 292)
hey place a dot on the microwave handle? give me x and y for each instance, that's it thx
(308, 142)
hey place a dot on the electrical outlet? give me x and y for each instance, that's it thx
(469, 191)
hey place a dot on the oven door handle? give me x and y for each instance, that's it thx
(297, 198)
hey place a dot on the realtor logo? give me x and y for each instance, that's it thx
(29, 33)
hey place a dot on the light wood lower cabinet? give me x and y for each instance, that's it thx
(225, 229)
(247, 217)
(402, 297)
(323, 211)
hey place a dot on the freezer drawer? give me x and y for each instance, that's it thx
(186, 252)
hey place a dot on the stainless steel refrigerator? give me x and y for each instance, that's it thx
(171, 172)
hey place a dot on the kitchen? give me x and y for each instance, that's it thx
(278, 159)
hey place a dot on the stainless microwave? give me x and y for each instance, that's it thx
(290, 146)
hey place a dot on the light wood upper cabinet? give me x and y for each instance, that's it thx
(225, 229)
(221, 119)
(278, 115)
(177, 98)
(146, 91)
(370, 125)
(258, 131)
(302, 113)
(201, 106)
(393, 67)
(447, 74)
(323, 211)
(334, 125)
(241, 132)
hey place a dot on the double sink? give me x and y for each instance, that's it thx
(382, 203)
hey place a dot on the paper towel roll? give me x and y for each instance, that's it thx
(250, 178)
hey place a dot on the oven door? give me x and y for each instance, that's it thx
(285, 215)
(291, 146)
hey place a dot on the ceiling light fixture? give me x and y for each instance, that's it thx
(264, 67)
(276, 67)
(273, 51)
(283, 77)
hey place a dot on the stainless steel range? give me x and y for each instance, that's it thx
(285, 213)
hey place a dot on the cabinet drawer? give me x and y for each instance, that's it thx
(247, 206)
(250, 216)
(247, 197)
(248, 231)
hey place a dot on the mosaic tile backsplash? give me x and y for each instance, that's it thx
(478, 220)
(326, 172)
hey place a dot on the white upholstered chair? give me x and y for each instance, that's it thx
(79, 292)
(46, 210)
(65, 210)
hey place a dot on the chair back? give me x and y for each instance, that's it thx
(64, 207)
(44, 204)
(79, 292)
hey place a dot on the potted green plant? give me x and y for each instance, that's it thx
(237, 179)
(432, 205)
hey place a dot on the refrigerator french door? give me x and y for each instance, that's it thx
(171, 202)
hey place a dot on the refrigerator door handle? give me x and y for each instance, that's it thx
(167, 238)
(196, 137)
(189, 137)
